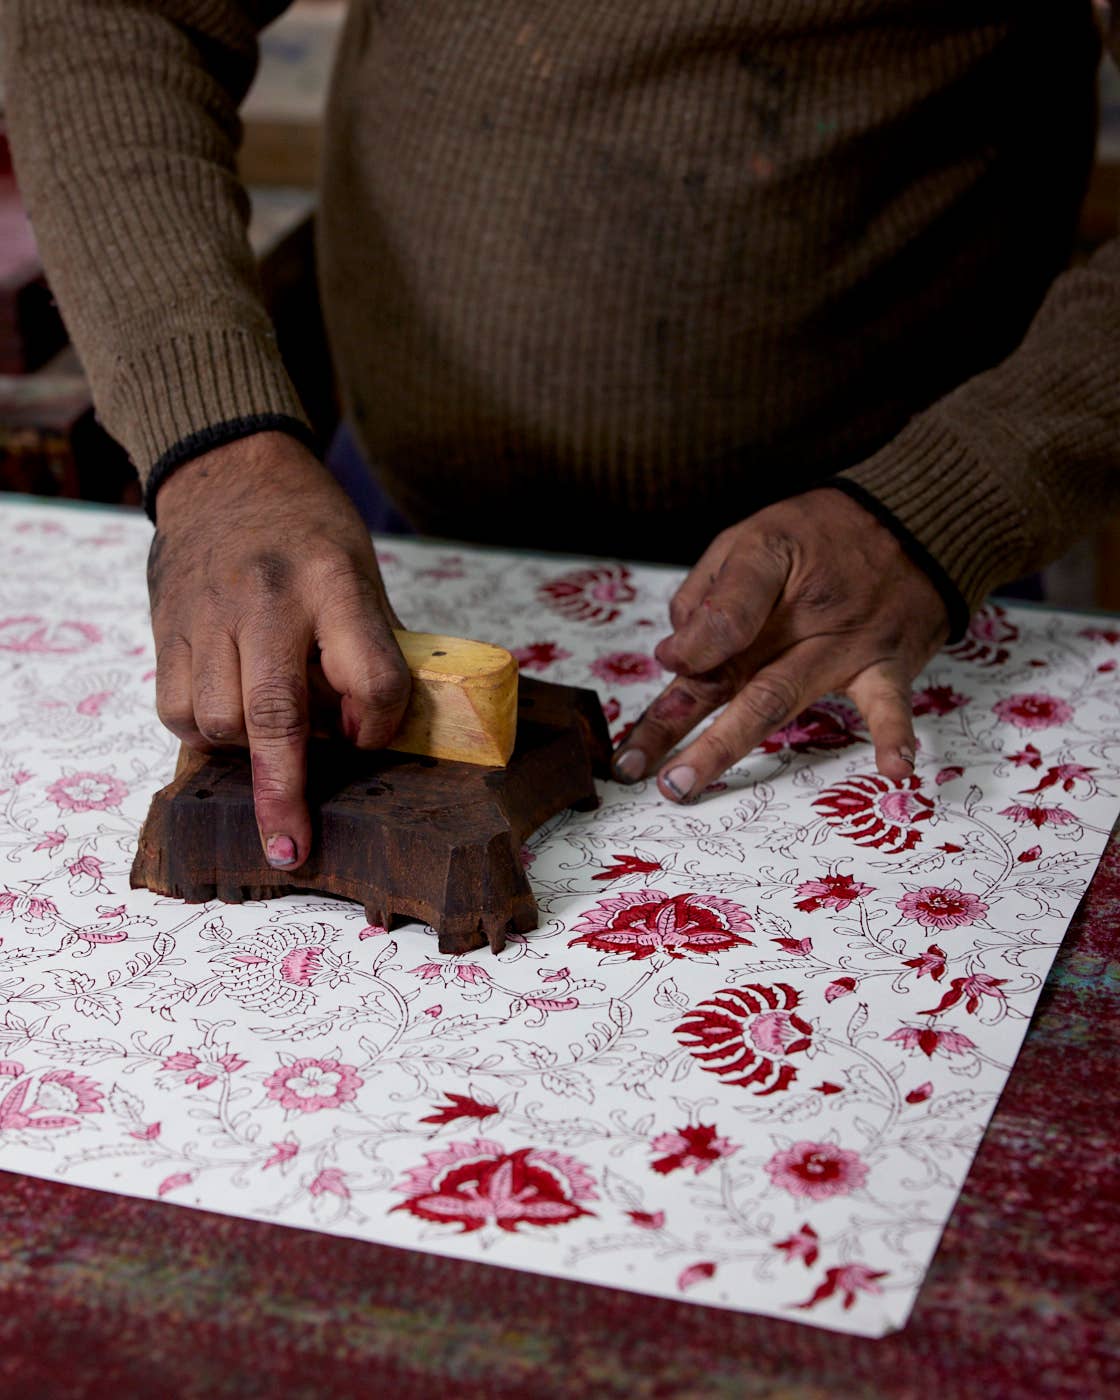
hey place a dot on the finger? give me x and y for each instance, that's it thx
(882, 695)
(274, 687)
(701, 577)
(677, 710)
(174, 690)
(767, 702)
(216, 685)
(363, 664)
(731, 614)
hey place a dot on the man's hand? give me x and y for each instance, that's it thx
(259, 568)
(807, 596)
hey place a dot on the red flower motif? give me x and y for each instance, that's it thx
(695, 1273)
(822, 728)
(986, 638)
(696, 1147)
(826, 1088)
(1028, 757)
(832, 892)
(799, 947)
(920, 1094)
(1032, 853)
(595, 595)
(937, 700)
(611, 709)
(948, 908)
(1068, 774)
(841, 987)
(641, 923)
(539, 656)
(627, 865)
(1039, 815)
(1033, 710)
(971, 990)
(930, 963)
(804, 1246)
(474, 1184)
(459, 1106)
(746, 1036)
(946, 775)
(646, 1219)
(818, 1170)
(849, 1280)
(875, 811)
(931, 1042)
(626, 667)
(1101, 634)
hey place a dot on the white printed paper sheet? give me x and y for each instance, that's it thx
(745, 1059)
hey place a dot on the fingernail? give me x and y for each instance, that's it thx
(630, 765)
(907, 756)
(680, 781)
(280, 851)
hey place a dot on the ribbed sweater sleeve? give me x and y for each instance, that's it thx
(1000, 476)
(123, 115)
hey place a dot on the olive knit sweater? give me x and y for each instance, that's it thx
(609, 276)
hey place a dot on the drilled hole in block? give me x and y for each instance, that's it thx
(202, 793)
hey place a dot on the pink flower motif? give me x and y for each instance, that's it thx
(330, 1180)
(746, 1035)
(1068, 775)
(798, 947)
(149, 1133)
(822, 728)
(92, 705)
(987, 637)
(1039, 815)
(51, 840)
(931, 1042)
(1033, 710)
(87, 792)
(647, 1220)
(282, 1153)
(937, 700)
(471, 973)
(832, 892)
(971, 990)
(309, 1085)
(626, 667)
(202, 1071)
(85, 876)
(640, 923)
(595, 595)
(27, 906)
(804, 1245)
(696, 1147)
(36, 634)
(453, 970)
(539, 656)
(63, 1091)
(1028, 757)
(694, 1274)
(474, 1184)
(875, 811)
(841, 987)
(427, 971)
(849, 1280)
(948, 908)
(946, 775)
(818, 1170)
(299, 966)
(173, 1182)
(372, 931)
(931, 963)
(21, 776)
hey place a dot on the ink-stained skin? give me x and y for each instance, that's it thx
(805, 597)
(266, 603)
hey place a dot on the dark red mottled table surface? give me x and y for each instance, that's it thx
(103, 1296)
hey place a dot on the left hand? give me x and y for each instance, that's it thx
(807, 596)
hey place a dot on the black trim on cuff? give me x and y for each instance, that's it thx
(951, 596)
(218, 435)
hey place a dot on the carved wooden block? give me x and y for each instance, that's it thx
(407, 837)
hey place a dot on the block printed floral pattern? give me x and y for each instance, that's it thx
(745, 1059)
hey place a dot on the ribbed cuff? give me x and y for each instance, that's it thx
(218, 436)
(193, 383)
(936, 494)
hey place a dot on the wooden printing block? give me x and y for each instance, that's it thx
(406, 836)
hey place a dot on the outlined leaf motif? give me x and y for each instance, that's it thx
(531, 1054)
(126, 1104)
(857, 1023)
(568, 1084)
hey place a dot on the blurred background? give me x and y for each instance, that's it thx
(50, 441)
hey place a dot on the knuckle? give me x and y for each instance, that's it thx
(719, 753)
(386, 688)
(218, 726)
(278, 708)
(770, 699)
(270, 571)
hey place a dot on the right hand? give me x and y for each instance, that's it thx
(259, 558)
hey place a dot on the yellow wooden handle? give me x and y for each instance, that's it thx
(464, 699)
